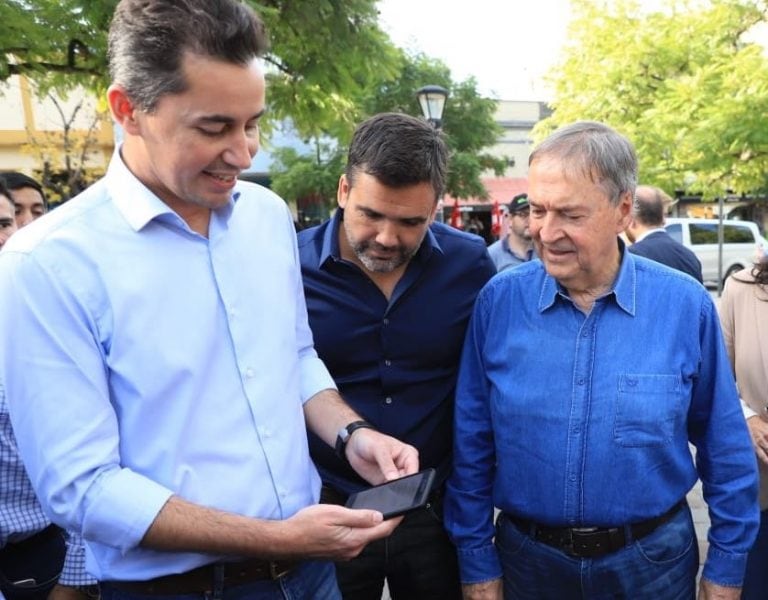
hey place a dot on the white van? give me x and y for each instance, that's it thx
(740, 242)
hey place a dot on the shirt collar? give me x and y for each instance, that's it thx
(645, 234)
(330, 247)
(137, 203)
(624, 286)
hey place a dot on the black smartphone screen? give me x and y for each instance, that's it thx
(396, 497)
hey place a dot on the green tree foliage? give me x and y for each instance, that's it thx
(468, 119)
(468, 123)
(329, 66)
(683, 84)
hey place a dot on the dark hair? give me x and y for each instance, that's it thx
(399, 151)
(650, 205)
(16, 181)
(5, 192)
(760, 272)
(596, 151)
(148, 38)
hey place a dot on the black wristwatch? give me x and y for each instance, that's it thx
(344, 435)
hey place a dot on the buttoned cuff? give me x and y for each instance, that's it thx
(723, 568)
(479, 565)
(74, 573)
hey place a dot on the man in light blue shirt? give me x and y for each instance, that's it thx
(167, 374)
(584, 378)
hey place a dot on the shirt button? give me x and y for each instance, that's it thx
(249, 373)
(580, 381)
(388, 400)
(388, 363)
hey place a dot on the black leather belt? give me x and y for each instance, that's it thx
(591, 542)
(203, 579)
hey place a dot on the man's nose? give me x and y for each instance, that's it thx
(387, 234)
(243, 147)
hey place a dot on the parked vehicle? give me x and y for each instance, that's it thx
(741, 239)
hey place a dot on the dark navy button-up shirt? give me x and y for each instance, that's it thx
(573, 419)
(394, 361)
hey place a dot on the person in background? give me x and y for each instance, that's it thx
(389, 294)
(650, 239)
(27, 195)
(744, 317)
(584, 377)
(38, 554)
(164, 381)
(7, 214)
(516, 248)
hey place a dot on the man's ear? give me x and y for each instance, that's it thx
(624, 211)
(122, 109)
(343, 191)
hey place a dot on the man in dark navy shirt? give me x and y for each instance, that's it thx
(651, 240)
(389, 293)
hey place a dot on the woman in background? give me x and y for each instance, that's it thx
(744, 317)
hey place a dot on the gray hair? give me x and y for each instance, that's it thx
(148, 38)
(595, 151)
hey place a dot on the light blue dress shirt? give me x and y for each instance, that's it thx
(143, 360)
(569, 419)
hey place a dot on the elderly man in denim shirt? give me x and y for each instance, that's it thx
(574, 410)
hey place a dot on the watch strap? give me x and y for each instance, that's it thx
(345, 433)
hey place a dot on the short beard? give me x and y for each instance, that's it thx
(378, 265)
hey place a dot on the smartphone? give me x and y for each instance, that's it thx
(396, 497)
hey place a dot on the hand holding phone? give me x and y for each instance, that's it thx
(396, 497)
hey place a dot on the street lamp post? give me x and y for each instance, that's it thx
(432, 100)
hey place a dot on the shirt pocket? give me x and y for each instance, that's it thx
(646, 409)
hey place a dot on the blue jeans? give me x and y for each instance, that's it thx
(309, 581)
(659, 566)
(756, 577)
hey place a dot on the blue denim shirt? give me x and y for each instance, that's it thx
(570, 419)
(395, 361)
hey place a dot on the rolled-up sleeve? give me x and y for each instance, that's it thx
(66, 427)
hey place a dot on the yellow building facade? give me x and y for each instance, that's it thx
(37, 127)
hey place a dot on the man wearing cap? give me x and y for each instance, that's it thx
(516, 248)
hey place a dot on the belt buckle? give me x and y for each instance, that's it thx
(576, 532)
(276, 571)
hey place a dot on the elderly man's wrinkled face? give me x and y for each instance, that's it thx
(7, 219)
(574, 225)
